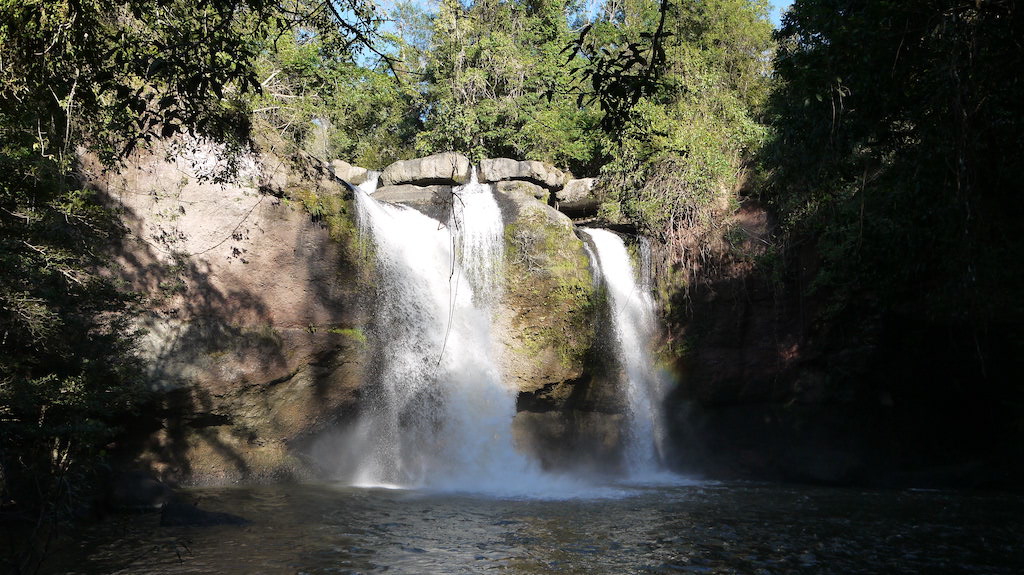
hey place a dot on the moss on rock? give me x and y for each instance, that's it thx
(549, 296)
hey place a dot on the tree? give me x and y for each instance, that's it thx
(681, 85)
(894, 161)
(490, 67)
(334, 98)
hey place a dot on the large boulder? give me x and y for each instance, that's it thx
(547, 328)
(577, 198)
(354, 175)
(545, 324)
(445, 168)
(499, 169)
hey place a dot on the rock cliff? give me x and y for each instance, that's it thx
(569, 411)
(252, 313)
(256, 291)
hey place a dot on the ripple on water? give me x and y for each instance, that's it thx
(687, 528)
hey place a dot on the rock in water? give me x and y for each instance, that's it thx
(137, 491)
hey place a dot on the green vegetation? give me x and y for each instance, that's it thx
(549, 282)
(496, 85)
(686, 81)
(334, 212)
(319, 99)
(355, 334)
(897, 147)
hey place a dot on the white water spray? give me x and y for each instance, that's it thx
(633, 323)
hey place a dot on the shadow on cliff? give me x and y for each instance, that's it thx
(189, 327)
(254, 343)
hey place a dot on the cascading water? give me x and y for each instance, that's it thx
(633, 323)
(479, 239)
(438, 414)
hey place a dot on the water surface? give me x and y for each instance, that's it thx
(688, 528)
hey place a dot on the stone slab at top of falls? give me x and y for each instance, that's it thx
(426, 183)
(577, 190)
(415, 194)
(499, 169)
(449, 168)
(578, 199)
(444, 168)
(528, 188)
(354, 175)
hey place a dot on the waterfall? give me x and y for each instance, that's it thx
(633, 323)
(437, 414)
(479, 239)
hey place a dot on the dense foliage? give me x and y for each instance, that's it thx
(332, 91)
(496, 85)
(899, 138)
(689, 125)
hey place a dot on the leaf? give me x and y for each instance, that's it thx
(169, 130)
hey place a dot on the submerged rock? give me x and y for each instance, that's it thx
(445, 168)
(137, 491)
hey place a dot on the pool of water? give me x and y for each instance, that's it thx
(688, 527)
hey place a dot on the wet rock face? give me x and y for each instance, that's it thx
(509, 187)
(543, 322)
(446, 168)
(549, 328)
(570, 439)
(434, 201)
